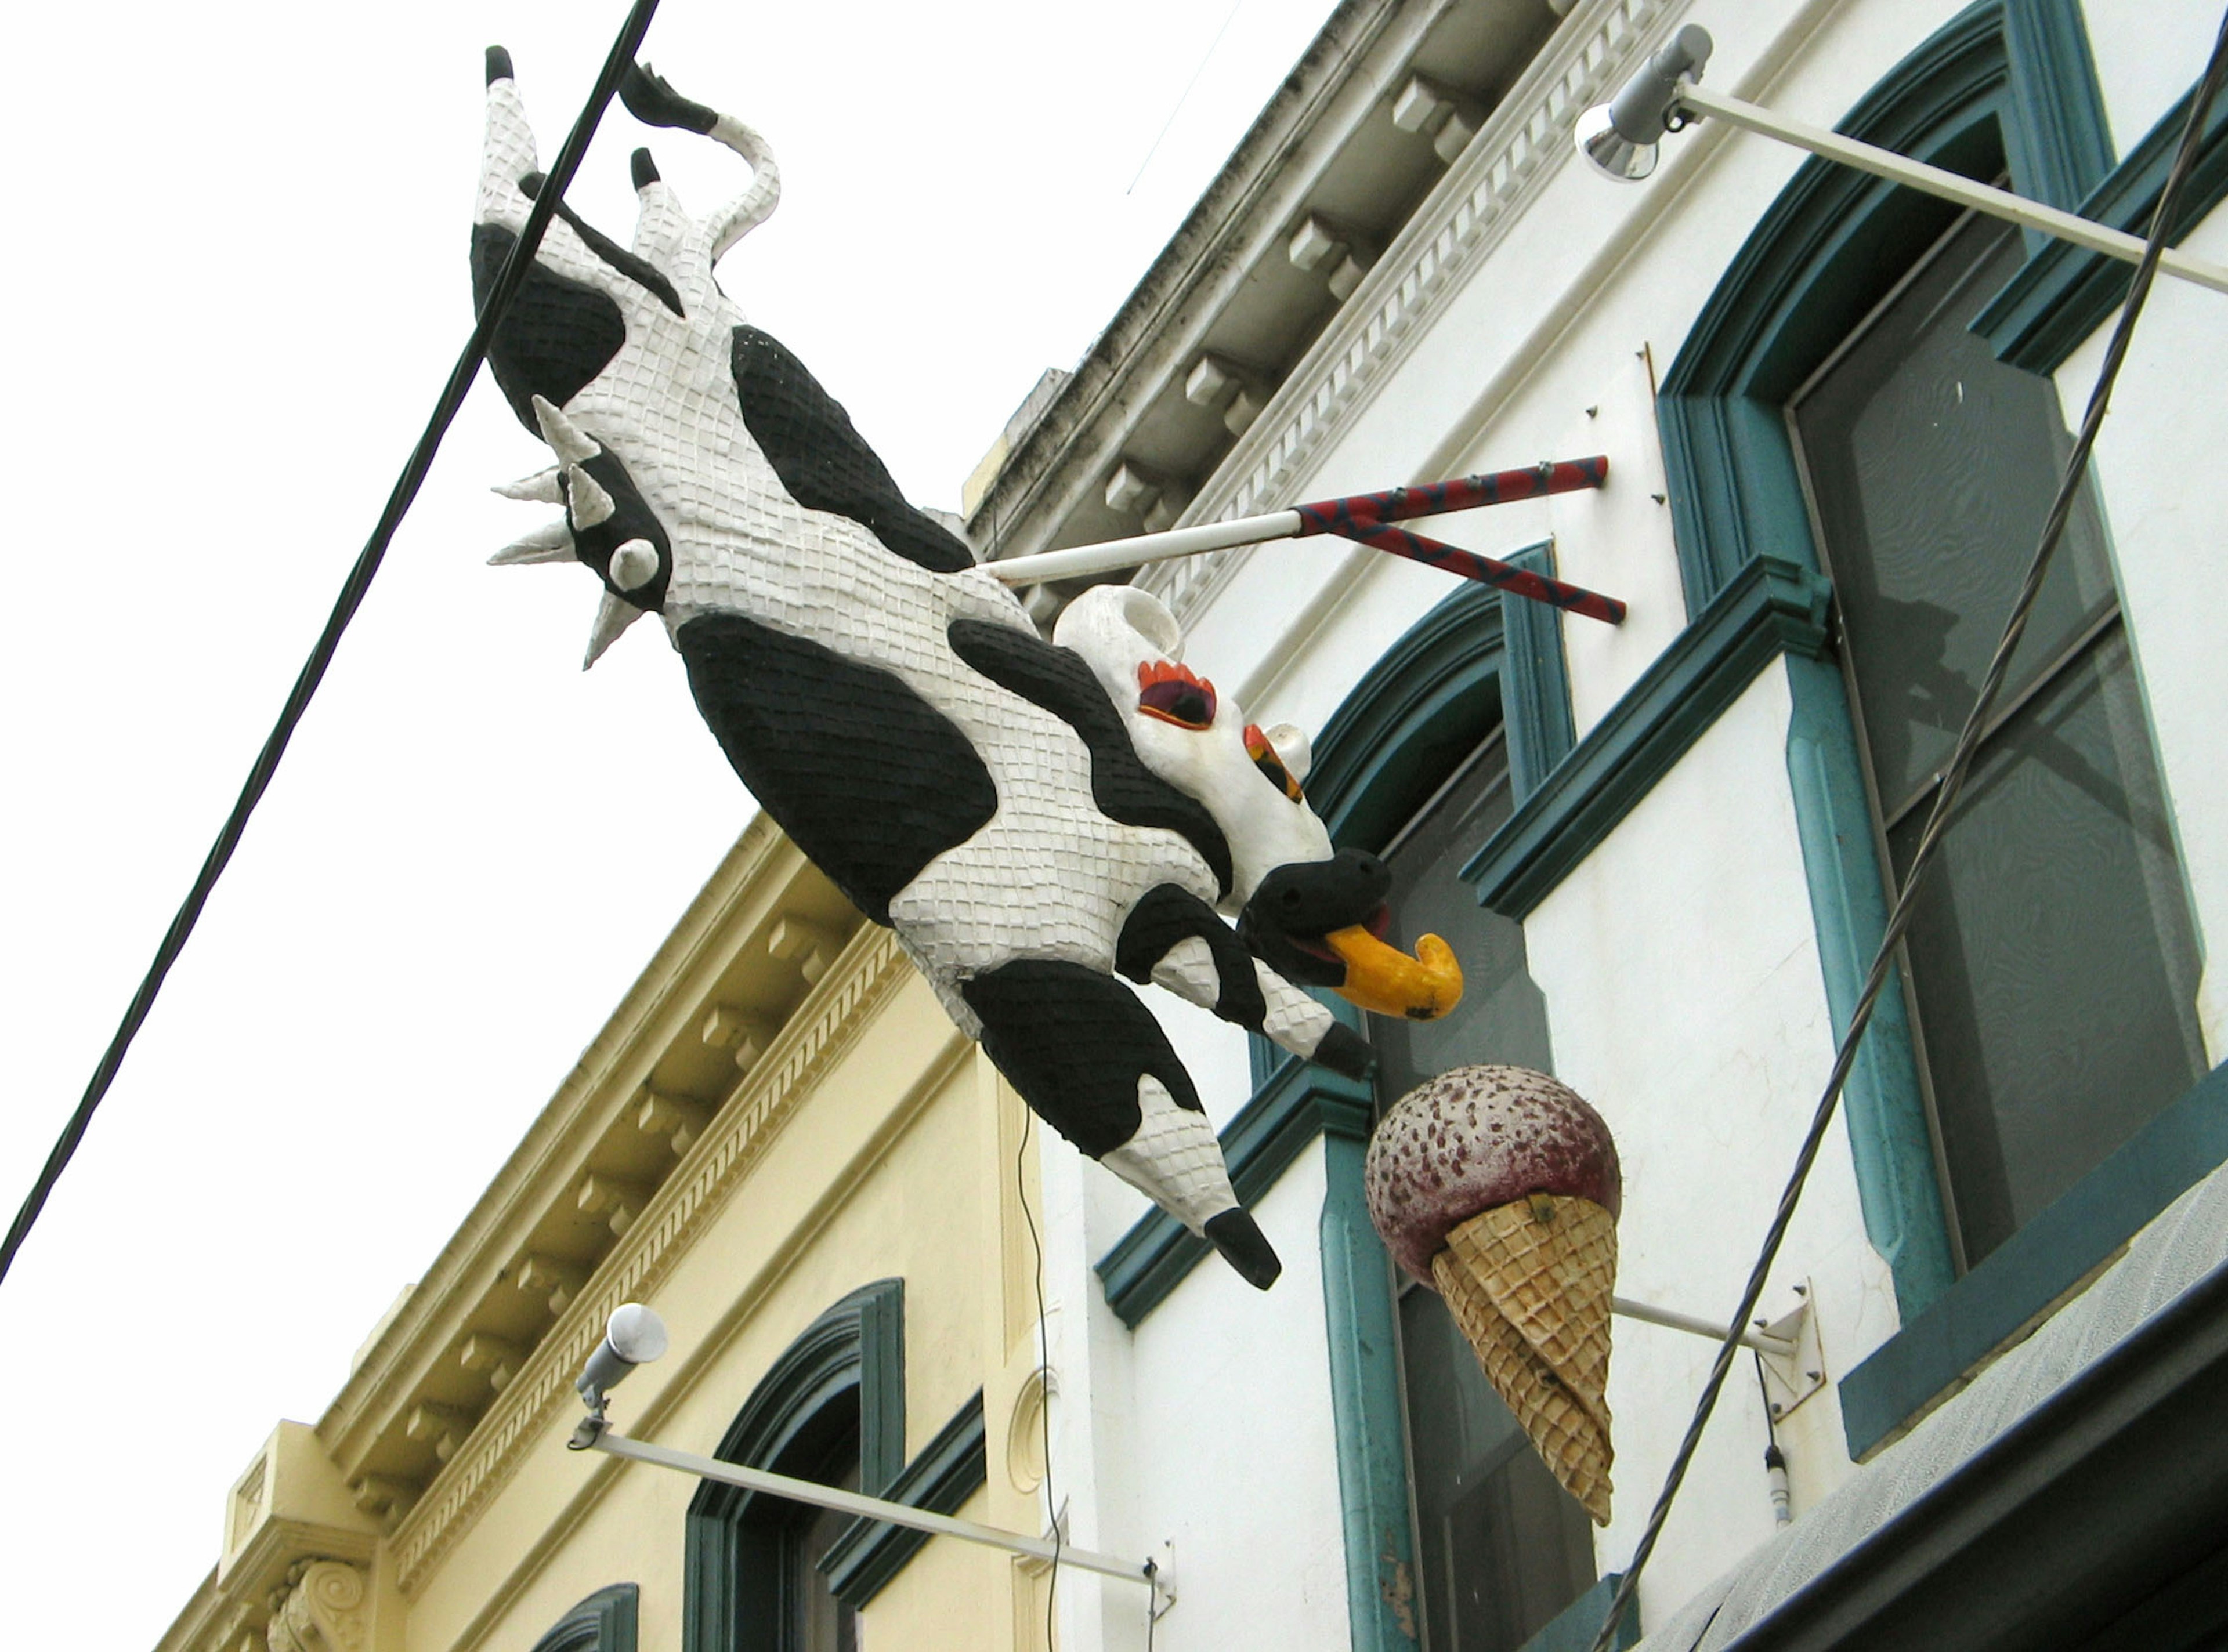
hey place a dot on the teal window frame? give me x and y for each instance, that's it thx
(852, 1357)
(604, 1622)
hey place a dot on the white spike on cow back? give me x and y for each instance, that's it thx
(564, 437)
(590, 503)
(552, 542)
(634, 564)
(613, 617)
(539, 488)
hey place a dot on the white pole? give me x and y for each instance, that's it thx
(1134, 552)
(1672, 1319)
(851, 1502)
(1999, 203)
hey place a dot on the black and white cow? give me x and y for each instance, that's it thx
(885, 700)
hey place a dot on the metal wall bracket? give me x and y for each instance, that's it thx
(1796, 1370)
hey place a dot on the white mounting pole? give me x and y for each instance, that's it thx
(1140, 549)
(1672, 1319)
(1695, 99)
(896, 1513)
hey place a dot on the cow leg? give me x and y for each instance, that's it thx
(1092, 1062)
(1176, 940)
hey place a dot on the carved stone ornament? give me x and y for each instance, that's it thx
(325, 1606)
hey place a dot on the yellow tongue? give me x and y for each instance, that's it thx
(1388, 981)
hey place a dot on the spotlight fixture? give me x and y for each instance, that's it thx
(634, 1336)
(1620, 137)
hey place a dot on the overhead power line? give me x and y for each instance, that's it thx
(351, 598)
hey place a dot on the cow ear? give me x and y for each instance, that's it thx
(1292, 748)
(1150, 618)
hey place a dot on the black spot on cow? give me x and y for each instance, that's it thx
(654, 103)
(1073, 1042)
(870, 779)
(638, 270)
(557, 335)
(631, 517)
(1169, 915)
(1058, 680)
(826, 464)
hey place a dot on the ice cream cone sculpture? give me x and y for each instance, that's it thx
(1499, 1187)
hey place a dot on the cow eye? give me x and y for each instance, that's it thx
(1266, 760)
(1171, 693)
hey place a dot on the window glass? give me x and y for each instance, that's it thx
(820, 1622)
(1933, 465)
(1500, 1547)
(2051, 959)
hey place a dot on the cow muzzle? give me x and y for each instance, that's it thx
(1322, 922)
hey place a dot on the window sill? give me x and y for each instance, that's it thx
(2019, 1283)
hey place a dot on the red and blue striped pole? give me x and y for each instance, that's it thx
(1367, 518)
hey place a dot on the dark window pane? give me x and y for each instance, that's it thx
(822, 1623)
(2053, 949)
(1501, 1547)
(1503, 1017)
(1933, 466)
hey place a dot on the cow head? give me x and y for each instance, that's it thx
(1313, 914)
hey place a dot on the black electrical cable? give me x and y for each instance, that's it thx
(351, 598)
(1953, 779)
(1044, 1373)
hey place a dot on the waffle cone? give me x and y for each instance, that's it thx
(1529, 1283)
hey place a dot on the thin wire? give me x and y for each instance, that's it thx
(2076, 465)
(1044, 1370)
(1184, 97)
(351, 598)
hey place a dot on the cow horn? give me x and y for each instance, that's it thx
(613, 617)
(563, 436)
(551, 542)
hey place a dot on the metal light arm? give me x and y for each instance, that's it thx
(601, 1437)
(1694, 100)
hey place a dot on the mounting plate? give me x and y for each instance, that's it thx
(1790, 1378)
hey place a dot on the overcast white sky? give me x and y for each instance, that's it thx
(237, 278)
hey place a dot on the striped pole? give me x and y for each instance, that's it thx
(1366, 518)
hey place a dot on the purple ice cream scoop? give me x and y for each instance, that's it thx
(1474, 1137)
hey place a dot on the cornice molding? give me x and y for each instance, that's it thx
(1244, 212)
(1520, 146)
(865, 977)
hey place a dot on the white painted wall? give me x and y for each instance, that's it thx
(2148, 54)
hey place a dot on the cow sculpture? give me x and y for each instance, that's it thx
(963, 780)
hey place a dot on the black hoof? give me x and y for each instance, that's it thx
(1344, 1050)
(498, 65)
(653, 103)
(1244, 1247)
(645, 170)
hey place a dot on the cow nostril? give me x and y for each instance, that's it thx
(1291, 897)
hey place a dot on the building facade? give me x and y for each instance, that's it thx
(1664, 851)
(781, 1140)
(1835, 412)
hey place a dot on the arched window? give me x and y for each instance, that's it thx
(604, 1622)
(832, 1409)
(1421, 766)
